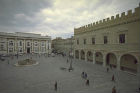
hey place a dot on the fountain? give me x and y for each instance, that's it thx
(26, 62)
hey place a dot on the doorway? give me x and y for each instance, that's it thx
(28, 50)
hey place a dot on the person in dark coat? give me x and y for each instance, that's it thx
(85, 76)
(87, 82)
(113, 78)
(82, 74)
(114, 90)
(55, 86)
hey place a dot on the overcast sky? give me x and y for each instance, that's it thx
(57, 17)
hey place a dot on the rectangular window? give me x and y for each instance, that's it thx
(11, 43)
(1, 47)
(20, 43)
(35, 44)
(10, 49)
(105, 40)
(122, 38)
(93, 40)
(43, 44)
(84, 41)
(77, 41)
(20, 49)
(28, 43)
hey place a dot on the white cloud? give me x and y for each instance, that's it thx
(64, 15)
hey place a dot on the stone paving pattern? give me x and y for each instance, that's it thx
(41, 78)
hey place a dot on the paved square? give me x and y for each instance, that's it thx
(41, 78)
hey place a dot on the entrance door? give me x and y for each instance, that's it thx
(107, 59)
(28, 50)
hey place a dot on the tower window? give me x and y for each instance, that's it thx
(93, 40)
(105, 40)
(122, 38)
(84, 41)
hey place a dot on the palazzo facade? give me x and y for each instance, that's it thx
(65, 46)
(113, 41)
(19, 43)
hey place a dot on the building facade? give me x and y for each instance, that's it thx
(113, 41)
(19, 43)
(65, 46)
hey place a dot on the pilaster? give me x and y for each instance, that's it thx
(85, 55)
(118, 62)
(104, 60)
(79, 55)
(94, 57)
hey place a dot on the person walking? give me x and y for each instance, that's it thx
(82, 74)
(87, 82)
(55, 86)
(85, 75)
(113, 78)
(114, 90)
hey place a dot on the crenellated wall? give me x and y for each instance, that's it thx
(119, 19)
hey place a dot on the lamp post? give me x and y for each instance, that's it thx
(71, 68)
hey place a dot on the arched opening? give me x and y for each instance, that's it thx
(77, 54)
(82, 55)
(89, 56)
(111, 60)
(129, 63)
(98, 58)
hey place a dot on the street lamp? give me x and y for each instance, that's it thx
(71, 54)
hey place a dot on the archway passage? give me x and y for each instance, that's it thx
(89, 56)
(77, 54)
(129, 63)
(111, 60)
(98, 58)
(82, 55)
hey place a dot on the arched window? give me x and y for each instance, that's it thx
(28, 43)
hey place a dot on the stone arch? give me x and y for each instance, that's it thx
(111, 59)
(82, 55)
(128, 63)
(77, 54)
(89, 56)
(99, 58)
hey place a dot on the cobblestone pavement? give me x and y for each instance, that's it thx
(41, 78)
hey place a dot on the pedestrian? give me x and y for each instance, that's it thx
(67, 60)
(113, 78)
(83, 74)
(87, 82)
(114, 90)
(107, 69)
(55, 86)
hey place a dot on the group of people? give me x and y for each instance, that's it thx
(84, 75)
